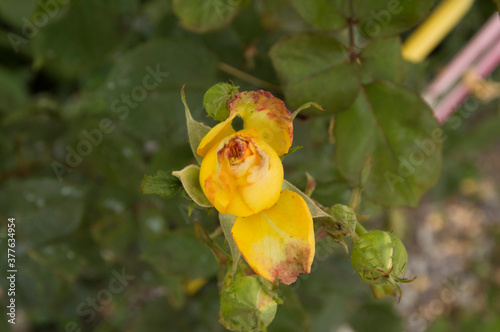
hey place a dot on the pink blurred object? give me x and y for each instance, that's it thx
(481, 55)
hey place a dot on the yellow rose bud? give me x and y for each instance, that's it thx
(242, 175)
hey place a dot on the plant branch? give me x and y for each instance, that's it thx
(248, 78)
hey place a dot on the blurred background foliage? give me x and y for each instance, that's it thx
(64, 69)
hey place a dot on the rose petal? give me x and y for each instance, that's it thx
(215, 135)
(278, 242)
(268, 114)
(242, 187)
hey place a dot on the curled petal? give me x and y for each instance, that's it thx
(242, 175)
(215, 135)
(268, 114)
(278, 242)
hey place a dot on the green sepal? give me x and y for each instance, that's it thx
(380, 258)
(311, 185)
(343, 222)
(227, 221)
(190, 179)
(306, 106)
(196, 130)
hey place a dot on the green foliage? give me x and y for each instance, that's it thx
(91, 103)
(308, 64)
(405, 163)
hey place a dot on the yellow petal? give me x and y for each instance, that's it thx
(242, 175)
(215, 135)
(268, 114)
(278, 242)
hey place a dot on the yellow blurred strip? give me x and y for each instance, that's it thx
(430, 33)
(193, 286)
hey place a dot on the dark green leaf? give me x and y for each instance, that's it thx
(206, 15)
(17, 12)
(381, 59)
(162, 184)
(70, 57)
(399, 131)
(321, 13)
(314, 67)
(180, 253)
(381, 18)
(142, 88)
(58, 204)
(13, 89)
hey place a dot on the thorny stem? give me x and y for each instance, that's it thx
(247, 77)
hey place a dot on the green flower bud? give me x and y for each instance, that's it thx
(248, 304)
(380, 258)
(343, 223)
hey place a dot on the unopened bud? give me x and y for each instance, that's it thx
(380, 258)
(248, 304)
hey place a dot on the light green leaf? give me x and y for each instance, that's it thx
(196, 130)
(316, 67)
(206, 15)
(190, 178)
(399, 131)
(315, 210)
(321, 14)
(216, 98)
